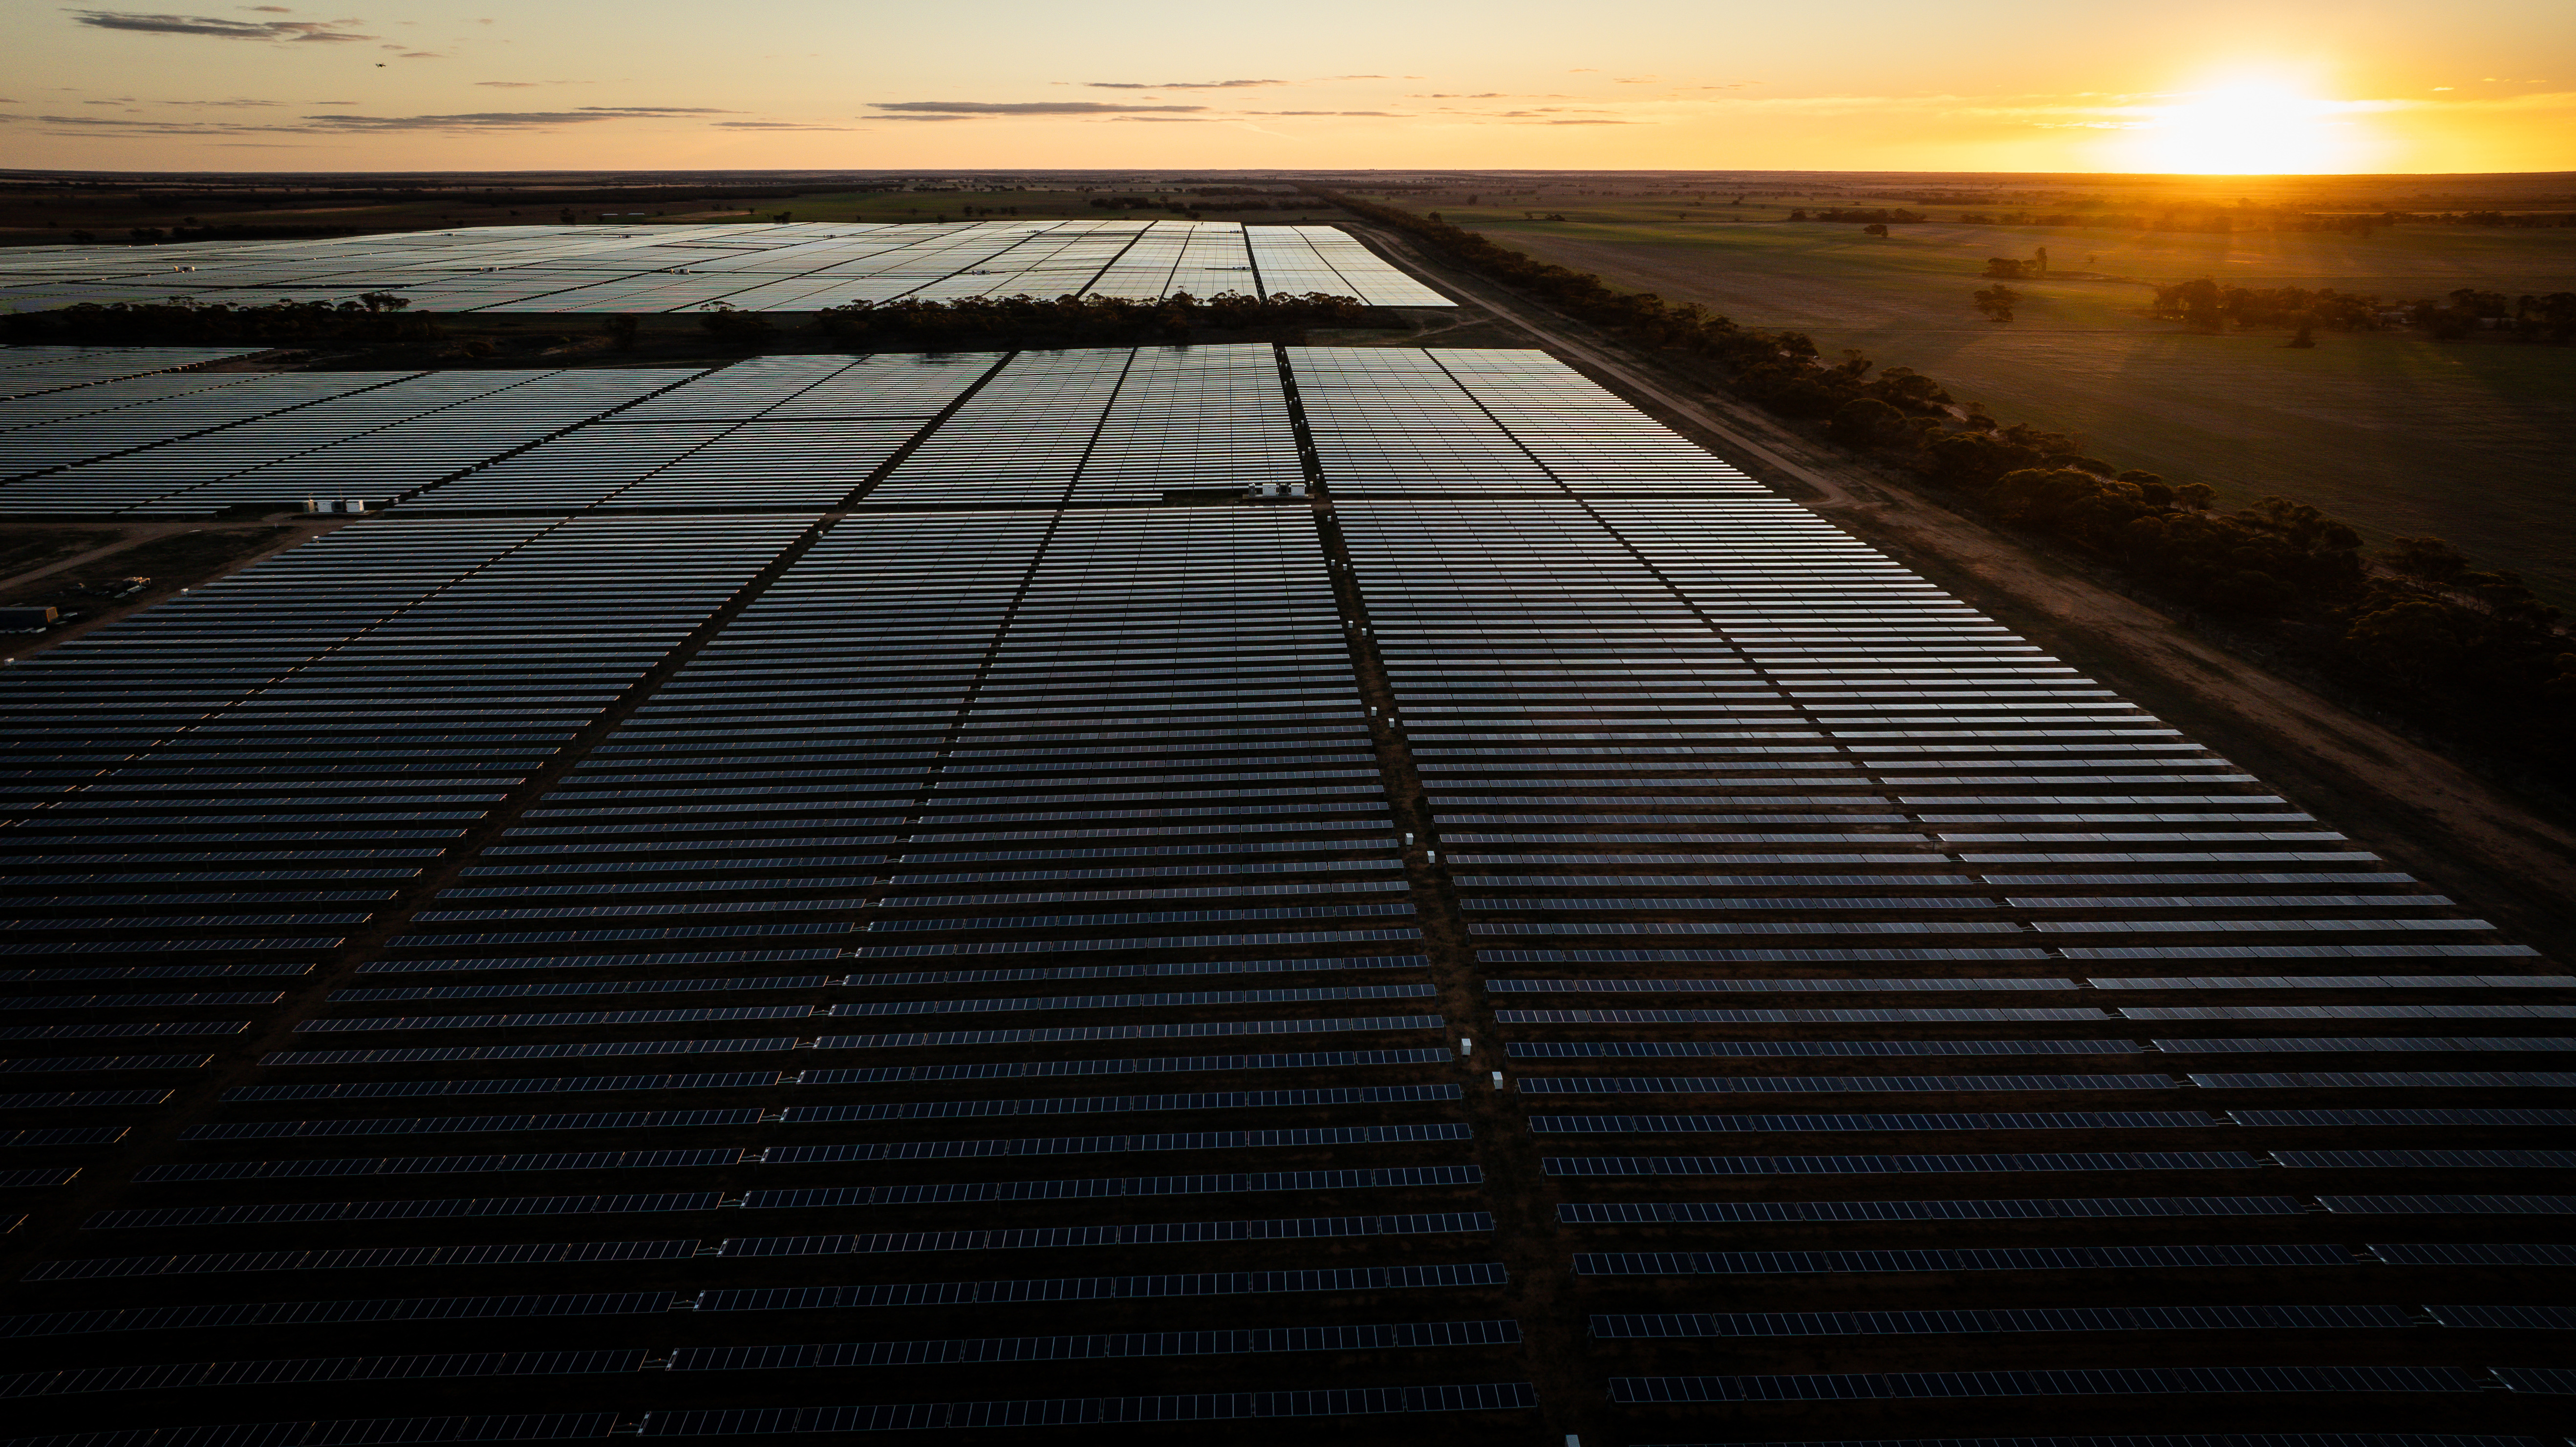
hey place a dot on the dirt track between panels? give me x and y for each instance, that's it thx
(2491, 850)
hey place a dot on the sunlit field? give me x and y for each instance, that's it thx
(2393, 430)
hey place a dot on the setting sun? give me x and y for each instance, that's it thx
(2244, 129)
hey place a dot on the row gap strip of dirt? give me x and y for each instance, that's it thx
(1525, 1237)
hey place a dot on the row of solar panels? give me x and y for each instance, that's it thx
(665, 268)
(790, 432)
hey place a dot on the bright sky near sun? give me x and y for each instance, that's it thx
(2252, 86)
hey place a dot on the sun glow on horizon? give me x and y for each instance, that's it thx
(2256, 128)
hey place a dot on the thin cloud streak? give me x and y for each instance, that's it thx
(960, 108)
(274, 31)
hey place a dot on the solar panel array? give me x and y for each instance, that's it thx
(33, 371)
(655, 953)
(749, 267)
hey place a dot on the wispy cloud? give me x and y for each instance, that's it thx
(960, 109)
(220, 29)
(470, 123)
(1179, 84)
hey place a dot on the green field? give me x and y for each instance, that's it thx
(2395, 432)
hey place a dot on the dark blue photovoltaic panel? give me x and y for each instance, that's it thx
(1589, 1049)
(521, 1085)
(1737, 1124)
(568, 1051)
(1828, 985)
(2499, 1116)
(438, 1165)
(520, 1253)
(1093, 1348)
(1302, 995)
(2507, 1318)
(304, 1211)
(1068, 1033)
(1824, 1084)
(2428, 1253)
(451, 1124)
(1121, 1104)
(2045, 1319)
(2544, 1381)
(318, 1369)
(1106, 1288)
(2113, 1381)
(1149, 1065)
(2031, 1258)
(2190, 1439)
(1208, 1140)
(1089, 1411)
(348, 1432)
(1870, 1165)
(1166, 1233)
(2431, 1160)
(1623, 1213)
(1084, 1190)
(1862, 1016)
(296, 1313)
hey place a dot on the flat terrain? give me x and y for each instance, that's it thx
(2396, 432)
(35, 213)
(1284, 208)
(2399, 797)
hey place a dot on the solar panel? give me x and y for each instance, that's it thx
(1106, 1288)
(2028, 1258)
(1898, 1165)
(1087, 1411)
(296, 1313)
(1075, 1190)
(2089, 1382)
(2043, 1319)
(1209, 1140)
(99, 1268)
(1099, 1346)
(1736, 1124)
(318, 1369)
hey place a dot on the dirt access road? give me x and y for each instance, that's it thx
(2487, 848)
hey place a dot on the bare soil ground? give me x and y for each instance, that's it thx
(78, 568)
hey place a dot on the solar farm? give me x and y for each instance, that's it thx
(786, 267)
(1364, 891)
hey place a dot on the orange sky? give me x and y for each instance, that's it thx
(2406, 86)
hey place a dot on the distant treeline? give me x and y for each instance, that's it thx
(234, 200)
(1025, 321)
(1881, 216)
(2464, 653)
(373, 317)
(1177, 207)
(2205, 305)
(2230, 219)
